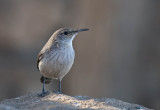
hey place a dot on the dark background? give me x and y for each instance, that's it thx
(119, 57)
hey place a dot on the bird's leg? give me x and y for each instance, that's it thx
(59, 90)
(43, 89)
(44, 92)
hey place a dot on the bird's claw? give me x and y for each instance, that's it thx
(43, 94)
(57, 92)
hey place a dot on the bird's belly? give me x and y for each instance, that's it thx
(56, 65)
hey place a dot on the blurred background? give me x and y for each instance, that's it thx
(118, 58)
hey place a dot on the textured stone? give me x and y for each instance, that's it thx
(63, 102)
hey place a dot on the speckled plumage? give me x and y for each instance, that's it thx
(56, 63)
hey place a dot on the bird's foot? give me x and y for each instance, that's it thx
(57, 92)
(43, 94)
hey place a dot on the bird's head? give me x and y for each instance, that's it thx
(67, 34)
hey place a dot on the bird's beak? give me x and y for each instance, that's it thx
(80, 30)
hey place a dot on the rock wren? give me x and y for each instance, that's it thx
(57, 56)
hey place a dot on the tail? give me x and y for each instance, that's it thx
(47, 80)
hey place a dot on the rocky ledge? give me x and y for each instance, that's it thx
(64, 102)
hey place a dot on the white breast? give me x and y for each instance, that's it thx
(57, 63)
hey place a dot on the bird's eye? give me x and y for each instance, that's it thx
(65, 33)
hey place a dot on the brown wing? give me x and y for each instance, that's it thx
(39, 58)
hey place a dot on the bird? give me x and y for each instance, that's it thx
(57, 56)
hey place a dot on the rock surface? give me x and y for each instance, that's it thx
(63, 102)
